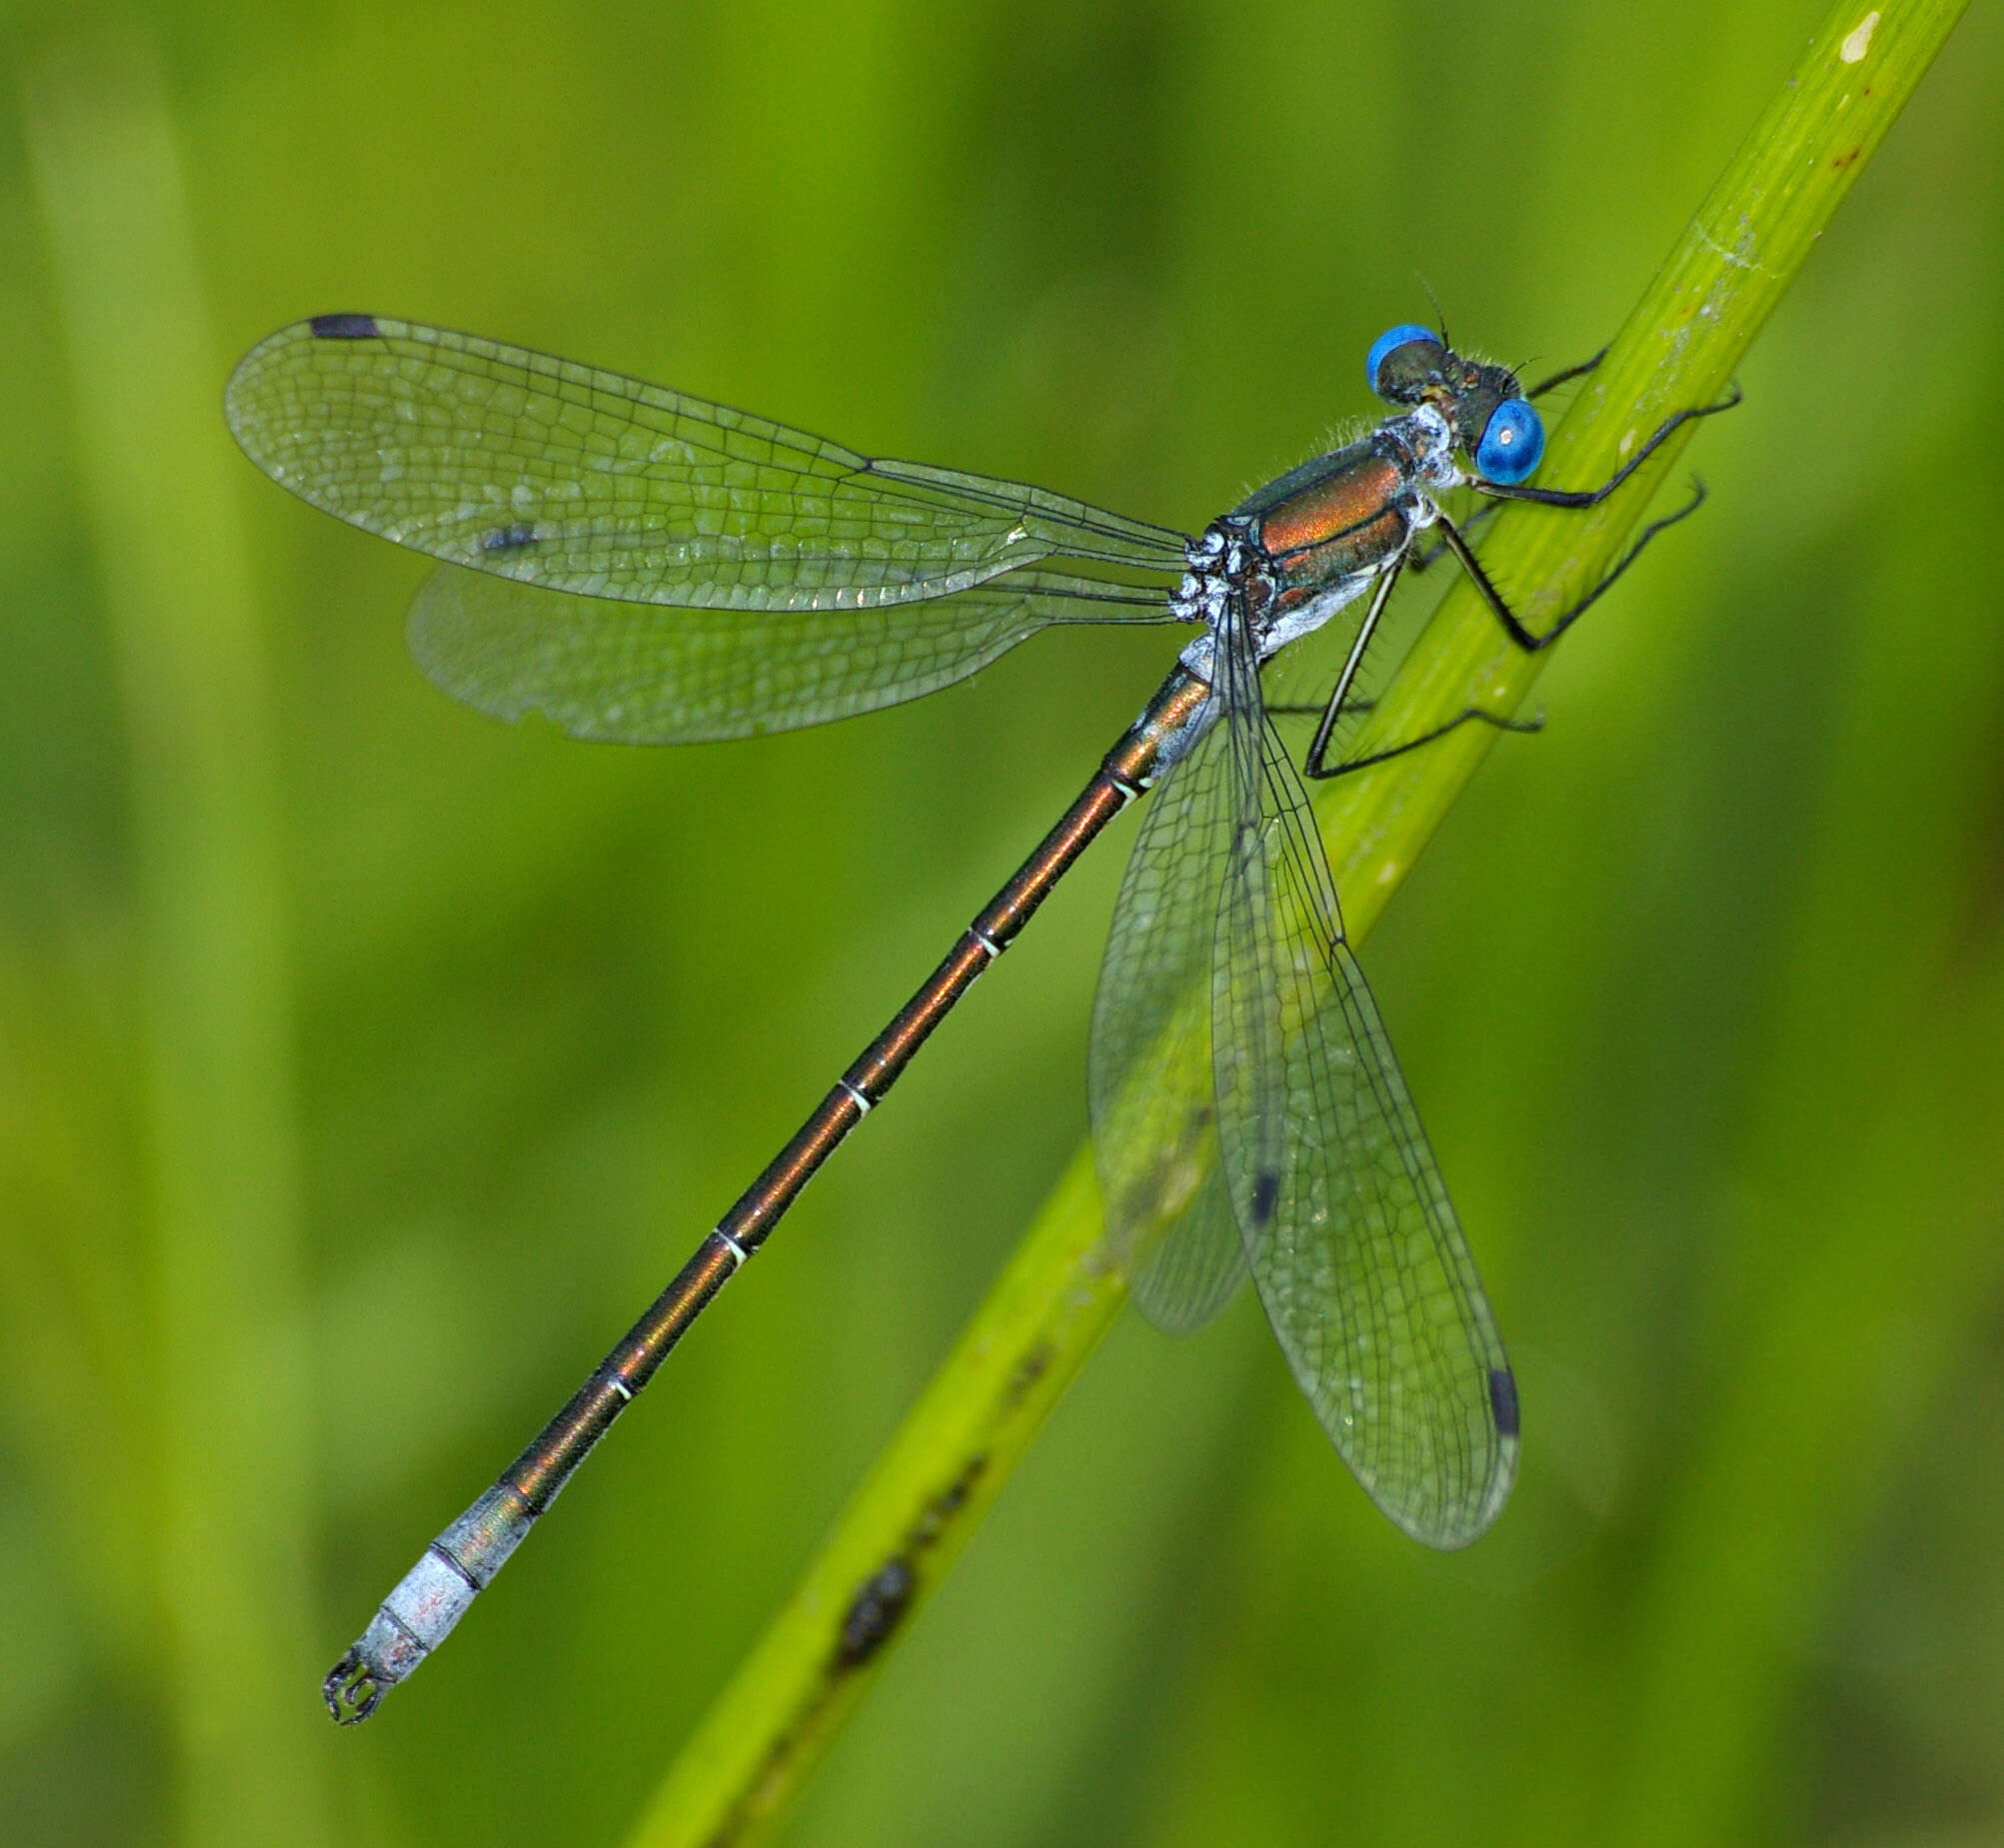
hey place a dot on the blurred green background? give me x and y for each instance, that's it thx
(365, 1065)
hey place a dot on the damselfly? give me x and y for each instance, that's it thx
(643, 566)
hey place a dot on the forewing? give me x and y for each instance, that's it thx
(552, 473)
(641, 673)
(1357, 1254)
(1155, 1124)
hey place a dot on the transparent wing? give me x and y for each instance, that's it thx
(1372, 1289)
(1354, 1247)
(556, 474)
(645, 673)
(1169, 1223)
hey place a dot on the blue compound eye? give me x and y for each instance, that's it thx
(1512, 444)
(1388, 343)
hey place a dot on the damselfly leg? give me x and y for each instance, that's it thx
(1453, 538)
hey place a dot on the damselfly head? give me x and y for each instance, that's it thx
(1494, 424)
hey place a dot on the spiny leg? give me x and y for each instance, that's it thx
(1571, 372)
(1504, 723)
(1452, 539)
(1423, 555)
(1530, 644)
(1593, 496)
(1316, 763)
(1340, 692)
